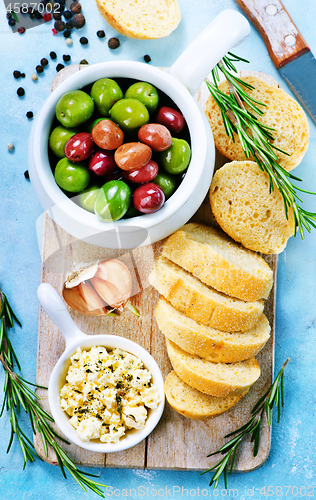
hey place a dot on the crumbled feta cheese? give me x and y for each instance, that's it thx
(106, 392)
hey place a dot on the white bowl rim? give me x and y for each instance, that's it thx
(110, 342)
(161, 79)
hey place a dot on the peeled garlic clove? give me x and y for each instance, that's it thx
(113, 282)
(84, 299)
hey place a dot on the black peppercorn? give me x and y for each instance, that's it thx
(32, 15)
(29, 114)
(100, 34)
(11, 22)
(59, 67)
(69, 25)
(59, 25)
(57, 16)
(44, 61)
(62, 2)
(78, 21)
(38, 15)
(75, 7)
(22, 75)
(83, 40)
(39, 69)
(30, 10)
(67, 33)
(66, 58)
(114, 43)
(16, 74)
(26, 174)
(9, 15)
(67, 14)
(147, 58)
(20, 91)
(53, 55)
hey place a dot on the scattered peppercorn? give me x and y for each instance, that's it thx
(32, 15)
(66, 58)
(57, 16)
(47, 17)
(29, 114)
(21, 30)
(67, 33)
(100, 34)
(67, 14)
(16, 74)
(78, 21)
(69, 25)
(9, 15)
(38, 15)
(59, 25)
(34, 77)
(83, 40)
(114, 43)
(11, 22)
(59, 67)
(44, 61)
(39, 69)
(75, 7)
(10, 146)
(83, 61)
(22, 75)
(147, 58)
(69, 41)
(26, 174)
(20, 91)
(53, 55)
(62, 2)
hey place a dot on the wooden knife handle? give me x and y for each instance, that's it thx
(282, 38)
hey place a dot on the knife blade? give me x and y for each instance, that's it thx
(287, 48)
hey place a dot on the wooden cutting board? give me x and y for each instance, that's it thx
(177, 442)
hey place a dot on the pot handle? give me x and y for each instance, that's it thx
(57, 311)
(227, 30)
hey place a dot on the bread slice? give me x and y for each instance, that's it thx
(208, 343)
(215, 379)
(246, 210)
(143, 19)
(221, 263)
(194, 404)
(200, 302)
(282, 113)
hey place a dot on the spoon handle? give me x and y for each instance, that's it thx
(56, 310)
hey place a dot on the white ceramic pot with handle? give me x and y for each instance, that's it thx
(180, 83)
(56, 310)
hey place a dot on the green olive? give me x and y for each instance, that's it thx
(86, 199)
(112, 201)
(72, 177)
(59, 138)
(129, 114)
(167, 182)
(176, 159)
(105, 92)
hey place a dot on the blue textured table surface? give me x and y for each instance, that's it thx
(290, 470)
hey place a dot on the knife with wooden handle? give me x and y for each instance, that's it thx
(286, 46)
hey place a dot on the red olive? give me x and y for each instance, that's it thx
(157, 136)
(132, 155)
(148, 198)
(171, 118)
(144, 174)
(107, 135)
(116, 175)
(102, 163)
(79, 147)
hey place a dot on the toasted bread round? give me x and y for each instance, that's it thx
(200, 302)
(194, 404)
(141, 19)
(215, 379)
(247, 211)
(208, 343)
(210, 255)
(282, 113)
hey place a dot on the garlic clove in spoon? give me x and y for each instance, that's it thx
(113, 282)
(84, 299)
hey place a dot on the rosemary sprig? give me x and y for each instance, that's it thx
(257, 139)
(273, 396)
(17, 395)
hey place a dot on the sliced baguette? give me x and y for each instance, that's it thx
(212, 345)
(214, 258)
(247, 211)
(215, 379)
(142, 19)
(194, 404)
(200, 302)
